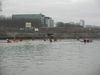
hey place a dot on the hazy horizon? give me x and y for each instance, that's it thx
(59, 10)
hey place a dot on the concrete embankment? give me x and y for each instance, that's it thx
(17, 35)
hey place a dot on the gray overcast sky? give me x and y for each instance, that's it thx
(59, 10)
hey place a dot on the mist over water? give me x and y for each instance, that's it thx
(66, 57)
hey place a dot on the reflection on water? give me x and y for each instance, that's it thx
(43, 58)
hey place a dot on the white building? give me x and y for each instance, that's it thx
(82, 23)
(49, 22)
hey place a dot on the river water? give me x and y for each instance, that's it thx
(65, 57)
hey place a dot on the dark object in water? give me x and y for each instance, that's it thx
(50, 40)
(51, 37)
(8, 41)
(86, 40)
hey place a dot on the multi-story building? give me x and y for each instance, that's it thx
(82, 23)
(37, 20)
(49, 22)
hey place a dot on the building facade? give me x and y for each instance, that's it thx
(37, 20)
(49, 22)
(82, 23)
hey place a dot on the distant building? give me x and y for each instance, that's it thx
(37, 20)
(82, 23)
(49, 22)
